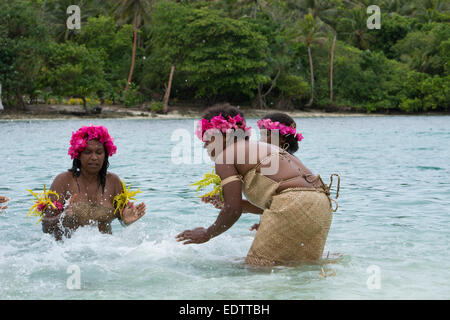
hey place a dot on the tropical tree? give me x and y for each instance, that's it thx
(399, 7)
(426, 50)
(433, 10)
(73, 70)
(55, 15)
(102, 34)
(311, 31)
(353, 27)
(134, 12)
(323, 10)
(215, 57)
(24, 40)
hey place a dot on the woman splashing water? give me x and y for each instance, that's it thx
(87, 190)
(296, 206)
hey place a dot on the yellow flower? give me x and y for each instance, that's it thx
(121, 200)
(41, 203)
(209, 178)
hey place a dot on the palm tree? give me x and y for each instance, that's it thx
(354, 26)
(331, 67)
(311, 31)
(238, 8)
(402, 7)
(427, 9)
(325, 11)
(135, 12)
(55, 13)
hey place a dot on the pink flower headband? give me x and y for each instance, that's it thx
(80, 138)
(219, 123)
(284, 130)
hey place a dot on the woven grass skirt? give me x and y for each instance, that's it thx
(293, 230)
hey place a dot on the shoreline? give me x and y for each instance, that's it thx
(75, 112)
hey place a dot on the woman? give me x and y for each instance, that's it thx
(3, 200)
(87, 190)
(296, 206)
(288, 139)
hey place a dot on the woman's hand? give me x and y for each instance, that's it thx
(197, 235)
(3, 200)
(215, 200)
(131, 213)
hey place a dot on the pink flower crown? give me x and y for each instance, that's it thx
(79, 140)
(284, 130)
(219, 123)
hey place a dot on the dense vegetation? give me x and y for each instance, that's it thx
(264, 53)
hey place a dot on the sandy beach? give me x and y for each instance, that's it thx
(50, 112)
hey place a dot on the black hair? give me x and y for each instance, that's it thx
(226, 110)
(287, 121)
(76, 169)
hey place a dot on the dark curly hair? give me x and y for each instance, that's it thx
(76, 169)
(226, 109)
(288, 121)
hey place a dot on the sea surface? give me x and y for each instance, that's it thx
(390, 234)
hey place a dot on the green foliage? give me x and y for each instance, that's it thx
(23, 42)
(394, 28)
(293, 86)
(426, 50)
(241, 51)
(214, 56)
(74, 70)
(156, 106)
(115, 45)
(132, 97)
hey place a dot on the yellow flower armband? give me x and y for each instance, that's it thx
(42, 202)
(209, 178)
(121, 200)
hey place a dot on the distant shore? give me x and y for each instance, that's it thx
(52, 112)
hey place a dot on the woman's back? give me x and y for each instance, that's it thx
(272, 162)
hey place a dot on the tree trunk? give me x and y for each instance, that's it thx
(331, 68)
(255, 9)
(312, 77)
(1, 105)
(167, 95)
(85, 104)
(261, 103)
(262, 96)
(133, 57)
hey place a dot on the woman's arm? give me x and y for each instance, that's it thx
(130, 212)
(246, 206)
(231, 212)
(232, 195)
(250, 208)
(52, 218)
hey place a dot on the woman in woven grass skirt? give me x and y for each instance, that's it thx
(295, 204)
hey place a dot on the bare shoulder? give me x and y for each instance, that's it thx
(62, 182)
(113, 177)
(114, 180)
(63, 178)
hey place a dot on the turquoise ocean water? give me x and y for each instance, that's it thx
(392, 227)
